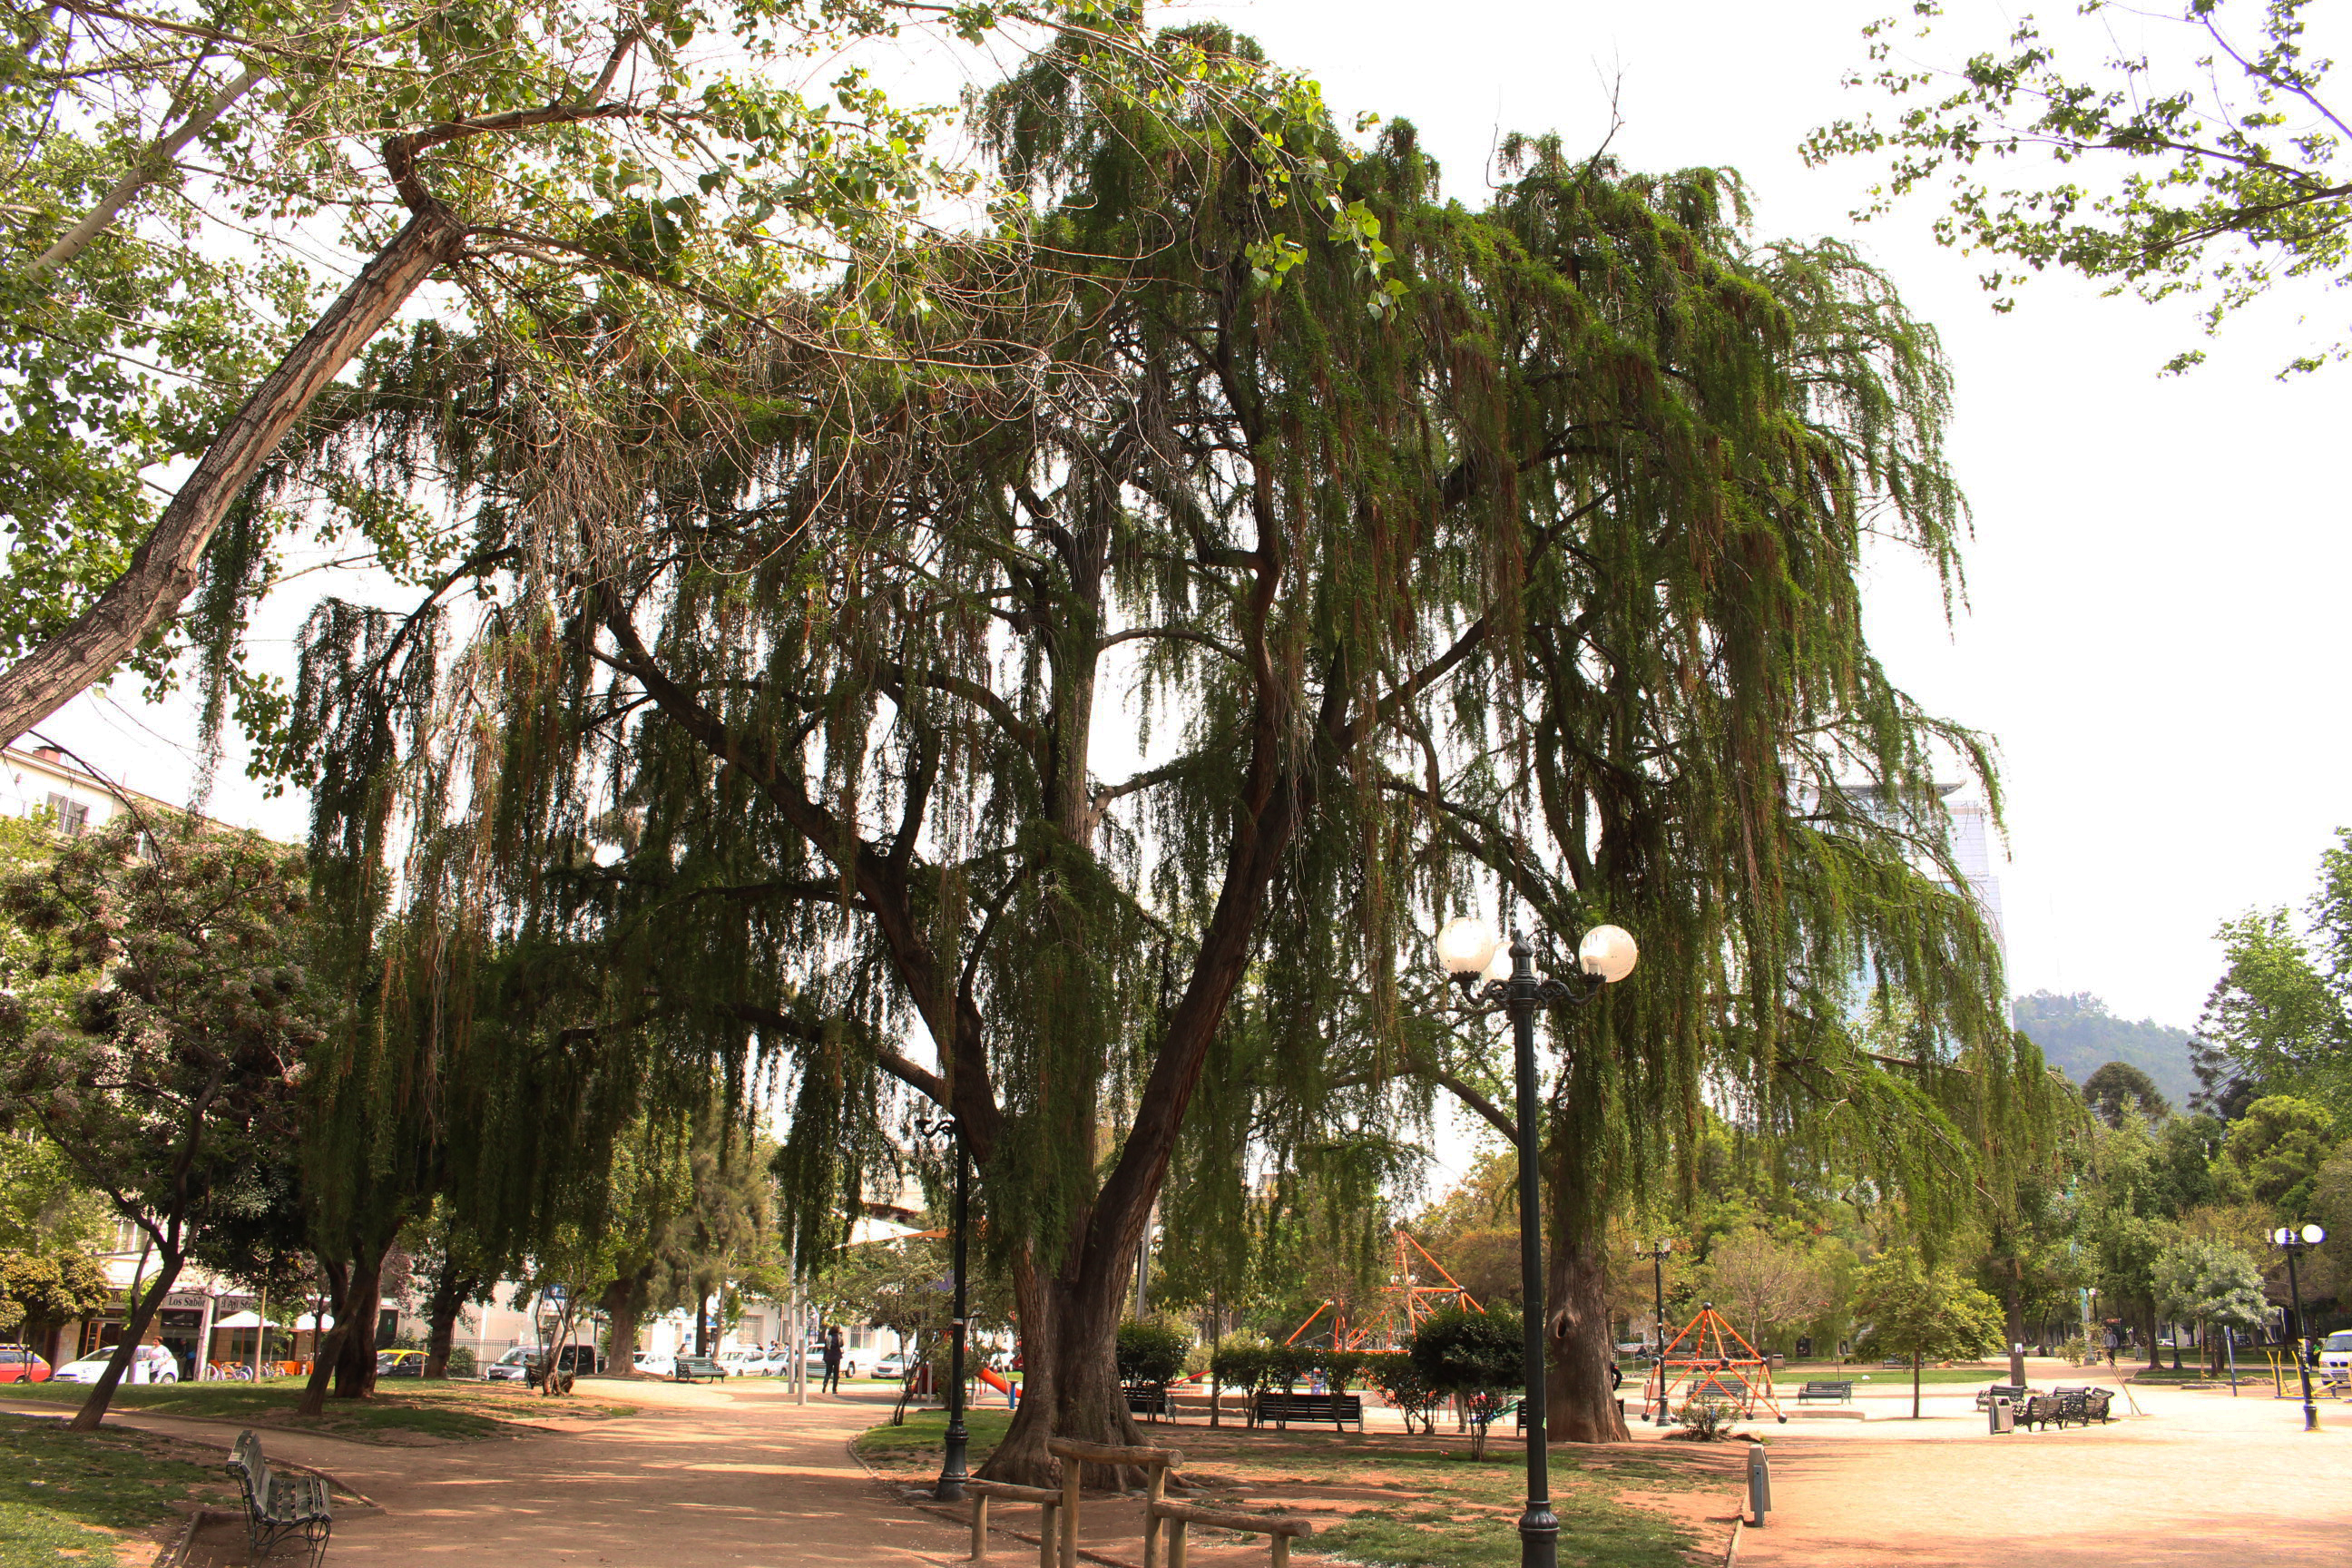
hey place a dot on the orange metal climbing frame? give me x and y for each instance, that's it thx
(1713, 1363)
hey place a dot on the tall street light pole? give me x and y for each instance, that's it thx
(1657, 1256)
(2292, 1241)
(952, 1472)
(1470, 949)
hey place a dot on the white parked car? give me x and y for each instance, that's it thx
(652, 1364)
(744, 1361)
(512, 1367)
(892, 1365)
(2335, 1356)
(159, 1364)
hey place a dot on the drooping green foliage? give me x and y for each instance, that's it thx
(2279, 1021)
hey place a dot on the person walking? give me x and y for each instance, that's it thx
(2112, 1343)
(831, 1360)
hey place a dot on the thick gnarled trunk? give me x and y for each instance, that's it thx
(1069, 1339)
(1582, 1352)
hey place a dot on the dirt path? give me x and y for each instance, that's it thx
(2199, 1479)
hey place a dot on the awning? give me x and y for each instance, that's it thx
(308, 1323)
(865, 1229)
(241, 1320)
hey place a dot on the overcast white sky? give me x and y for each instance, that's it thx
(2153, 634)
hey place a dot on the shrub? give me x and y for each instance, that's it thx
(1341, 1368)
(1395, 1375)
(1287, 1365)
(1151, 1352)
(1475, 1357)
(1238, 1362)
(1706, 1420)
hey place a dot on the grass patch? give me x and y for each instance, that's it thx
(1429, 1505)
(925, 1434)
(1786, 1382)
(69, 1497)
(399, 1412)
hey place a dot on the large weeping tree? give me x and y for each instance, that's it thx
(1056, 681)
(1685, 732)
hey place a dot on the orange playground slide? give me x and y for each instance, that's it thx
(998, 1383)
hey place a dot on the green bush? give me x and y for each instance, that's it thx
(461, 1361)
(1475, 1357)
(1395, 1375)
(1151, 1352)
(1239, 1361)
(1288, 1366)
(1340, 1368)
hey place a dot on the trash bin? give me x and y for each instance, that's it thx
(2001, 1413)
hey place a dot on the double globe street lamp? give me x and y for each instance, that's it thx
(2292, 1240)
(1471, 950)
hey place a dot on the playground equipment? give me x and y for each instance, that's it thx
(1405, 1302)
(1708, 1368)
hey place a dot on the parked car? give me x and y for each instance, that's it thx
(743, 1361)
(652, 1364)
(400, 1363)
(512, 1367)
(892, 1365)
(2335, 1355)
(576, 1361)
(161, 1366)
(19, 1364)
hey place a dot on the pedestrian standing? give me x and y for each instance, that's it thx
(831, 1360)
(2112, 1343)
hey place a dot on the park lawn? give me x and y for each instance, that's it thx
(73, 1497)
(1387, 1498)
(402, 1412)
(1787, 1380)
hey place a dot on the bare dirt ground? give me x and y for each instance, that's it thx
(2197, 1478)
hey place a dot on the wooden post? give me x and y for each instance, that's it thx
(1176, 1544)
(1046, 1551)
(1156, 1490)
(1281, 1555)
(979, 1528)
(1070, 1468)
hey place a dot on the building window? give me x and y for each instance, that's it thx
(73, 816)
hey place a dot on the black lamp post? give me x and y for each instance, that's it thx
(1658, 1255)
(2292, 1241)
(952, 1472)
(1470, 949)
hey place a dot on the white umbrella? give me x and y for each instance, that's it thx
(239, 1321)
(865, 1229)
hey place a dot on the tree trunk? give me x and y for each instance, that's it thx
(702, 1323)
(1915, 1385)
(1580, 1405)
(164, 568)
(1069, 1342)
(441, 1313)
(2016, 1323)
(622, 1306)
(134, 1331)
(355, 1366)
(2154, 1356)
(327, 1346)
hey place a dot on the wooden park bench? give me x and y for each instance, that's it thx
(1826, 1391)
(687, 1368)
(1895, 1363)
(278, 1505)
(2013, 1391)
(1279, 1528)
(1284, 1408)
(1043, 1497)
(2083, 1406)
(2039, 1410)
(1149, 1400)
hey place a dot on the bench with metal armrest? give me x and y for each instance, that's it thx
(1826, 1391)
(1284, 1408)
(687, 1368)
(278, 1505)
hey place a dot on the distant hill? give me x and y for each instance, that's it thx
(2078, 1035)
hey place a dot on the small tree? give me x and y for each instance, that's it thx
(1766, 1282)
(177, 1074)
(1239, 1361)
(1399, 1377)
(1919, 1312)
(2210, 1282)
(1476, 1358)
(1151, 1352)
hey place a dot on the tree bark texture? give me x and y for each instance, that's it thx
(134, 1334)
(1582, 1408)
(327, 1344)
(624, 1303)
(165, 569)
(1069, 1333)
(355, 1363)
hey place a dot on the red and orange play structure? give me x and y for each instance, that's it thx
(1710, 1368)
(1405, 1302)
